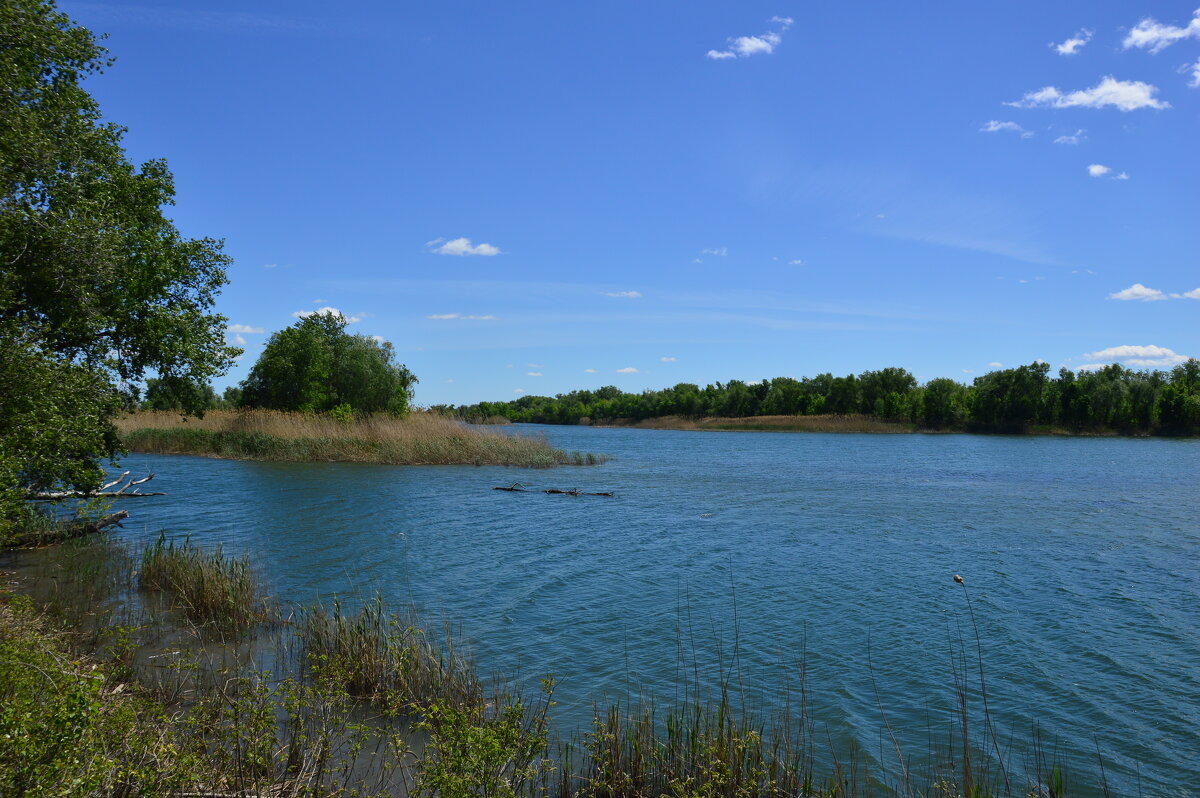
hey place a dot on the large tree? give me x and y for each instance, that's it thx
(97, 286)
(316, 366)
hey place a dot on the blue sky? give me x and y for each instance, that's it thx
(539, 197)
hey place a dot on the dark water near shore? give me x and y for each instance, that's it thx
(1081, 557)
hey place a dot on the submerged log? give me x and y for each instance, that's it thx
(101, 492)
(517, 487)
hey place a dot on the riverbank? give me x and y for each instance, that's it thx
(416, 439)
(148, 697)
(822, 423)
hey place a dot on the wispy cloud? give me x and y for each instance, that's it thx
(534, 374)
(995, 364)
(460, 316)
(244, 328)
(154, 16)
(518, 390)
(1149, 356)
(1154, 36)
(1098, 170)
(994, 126)
(1074, 44)
(1124, 95)
(1074, 138)
(460, 246)
(304, 314)
(720, 252)
(669, 359)
(270, 265)
(796, 262)
(746, 46)
(624, 294)
(1195, 70)
(627, 370)
(589, 371)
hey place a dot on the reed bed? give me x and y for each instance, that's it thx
(416, 439)
(211, 589)
(387, 657)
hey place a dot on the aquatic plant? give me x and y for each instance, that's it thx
(211, 589)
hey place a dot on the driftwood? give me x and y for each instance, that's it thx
(101, 492)
(517, 487)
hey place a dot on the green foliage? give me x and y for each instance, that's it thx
(1113, 398)
(473, 752)
(96, 285)
(179, 393)
(316, 366)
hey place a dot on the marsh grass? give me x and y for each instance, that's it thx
(212, 590)
(388, 657)
(417, 439)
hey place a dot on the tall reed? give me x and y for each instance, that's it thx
(417, 439)
(211, 589)
(388, 657)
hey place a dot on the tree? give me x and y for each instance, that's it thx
(316, 366)
(176, 393)
(97, 286)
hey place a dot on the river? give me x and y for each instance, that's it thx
(757, 552)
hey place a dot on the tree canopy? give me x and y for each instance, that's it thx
(97, 286)
(316, 366)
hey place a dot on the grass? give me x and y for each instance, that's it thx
(417, 439)
(387, 657)
(212, 590)
(822, 423)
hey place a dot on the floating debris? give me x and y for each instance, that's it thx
(518, 487)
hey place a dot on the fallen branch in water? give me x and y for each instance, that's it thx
(101, 492)
(517, 487)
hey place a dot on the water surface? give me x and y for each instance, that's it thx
(1080, 556)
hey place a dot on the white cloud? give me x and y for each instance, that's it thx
(244, 328)
(534, 366)
(589, 371)
(796, 262)
(1150, 34)
(994, 126)
(234, 339)
(518, 390)
(625, 294)
(627, 370)
(379, 339)
(1074, 44)
(996, 364)
(1195, 69)
(1074, 138)
(449, 379)
(1122, 176)
(1138, 356)
(270, 265)
(1139, 292)
(460, 246)
(746, 46)
(1192, 294)
(462, 316)
(328, 311)
(534, 374)
(718, 251)
(1099, 170)
(320, 301)
(1125, 95)
(669, 359)
(968, 371)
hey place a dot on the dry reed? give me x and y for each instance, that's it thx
(417, 439)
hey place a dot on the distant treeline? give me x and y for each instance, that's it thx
(1022, 399)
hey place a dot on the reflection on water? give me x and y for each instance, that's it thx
(1080, 555)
